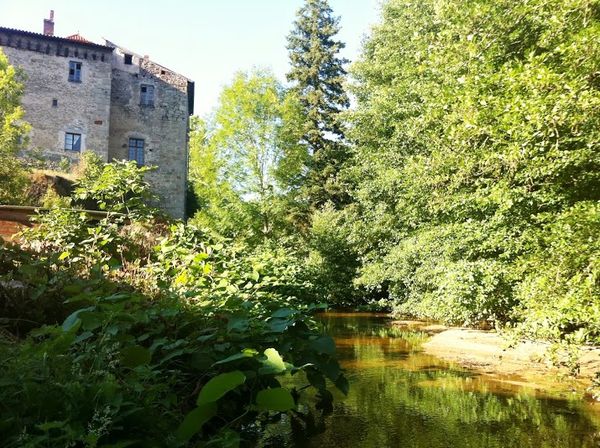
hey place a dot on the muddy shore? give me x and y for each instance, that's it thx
(487, 351)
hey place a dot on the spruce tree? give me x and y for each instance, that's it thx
(317, 73)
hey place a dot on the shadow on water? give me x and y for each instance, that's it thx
(401, 397)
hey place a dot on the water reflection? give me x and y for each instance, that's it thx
(401, 397)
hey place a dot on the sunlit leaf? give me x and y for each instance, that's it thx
(273, 364)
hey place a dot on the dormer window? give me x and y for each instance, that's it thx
(128, 59)
(147, 95)
(74, 71)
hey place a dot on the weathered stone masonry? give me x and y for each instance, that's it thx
(162, 125)
(122, 105)
(53, 104)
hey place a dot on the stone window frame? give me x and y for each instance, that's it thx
(135, 150)
(73, 141)
(75, 71)
(147, 95)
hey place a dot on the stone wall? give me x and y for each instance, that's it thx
(163, 126)
(54, 105)
(104, 107)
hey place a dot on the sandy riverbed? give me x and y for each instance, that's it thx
(489, 352)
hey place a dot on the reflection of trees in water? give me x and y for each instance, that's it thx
(423, 404)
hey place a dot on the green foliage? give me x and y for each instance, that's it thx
(117, 187)
(235, 160)
(331, 259)
(318, 74)
(476, 163)
(561, 285)
(13, 133)
(141, 333)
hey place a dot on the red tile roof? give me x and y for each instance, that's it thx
(81, 41)
(79, 38)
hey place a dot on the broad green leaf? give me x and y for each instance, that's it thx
(325, 344)
(246, 353)
(283, 312)
(237, 324)
(135, 355)
(219, 386)
(90, 320)
(73, 319)
(277, 399)
(83, 336)
(206, 337)
(273, 364)
(279, 325)
(194, 420)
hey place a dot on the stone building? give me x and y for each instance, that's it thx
(82, 96)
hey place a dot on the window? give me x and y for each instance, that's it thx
(147, 95)
(54, 102)
(128, 59)
(74, 71)
(72, 142)
(136, 150)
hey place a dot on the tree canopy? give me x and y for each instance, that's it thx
(476, 162)
(317, 75)
(13, 132)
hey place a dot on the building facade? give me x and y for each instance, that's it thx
(81, 96)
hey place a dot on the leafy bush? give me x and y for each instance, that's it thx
(476, 163)
(117, 187)
(331, 260)
(13, 133)
(146, 333)
(561, 285)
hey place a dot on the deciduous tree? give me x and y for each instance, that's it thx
(13, 132)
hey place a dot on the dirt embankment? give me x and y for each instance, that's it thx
(489, 352)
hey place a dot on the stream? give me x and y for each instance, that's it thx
(402, 397)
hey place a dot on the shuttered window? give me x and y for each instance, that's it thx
(147, 95)
(75, 71)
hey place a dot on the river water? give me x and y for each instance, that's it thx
(401, 397)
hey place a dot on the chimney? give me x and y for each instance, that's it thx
(49, 24)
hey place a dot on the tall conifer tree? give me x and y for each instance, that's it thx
(318, 75)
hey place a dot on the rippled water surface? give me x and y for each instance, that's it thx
(401, 397)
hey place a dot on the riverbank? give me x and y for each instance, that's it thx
(488, 352)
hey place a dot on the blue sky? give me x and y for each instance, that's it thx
(205, 40)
